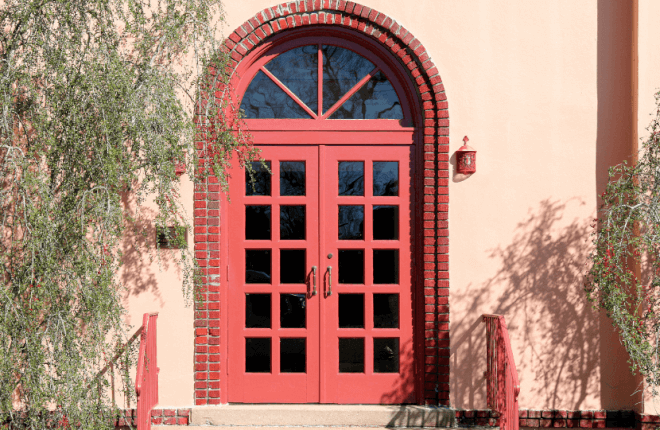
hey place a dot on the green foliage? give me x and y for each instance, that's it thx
(624, 278)
(98, 102)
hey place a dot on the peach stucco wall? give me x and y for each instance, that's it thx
(542, 89)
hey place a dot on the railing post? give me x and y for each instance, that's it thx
(502, 384)
(146, 379)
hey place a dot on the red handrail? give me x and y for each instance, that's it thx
(146, 380)
(502, 385)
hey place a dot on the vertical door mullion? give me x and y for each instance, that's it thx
(323, 344)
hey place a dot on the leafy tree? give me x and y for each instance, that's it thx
(100, 100)
(624, 278)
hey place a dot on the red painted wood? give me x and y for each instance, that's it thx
(502, 385)
(274, 387)
(324, 142)
(378, 388)
(146, 378)
(350, 93)
(332, 138)
(288, 92)
(329, 125)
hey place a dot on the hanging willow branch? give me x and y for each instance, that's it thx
(624, 278)
(98, 103)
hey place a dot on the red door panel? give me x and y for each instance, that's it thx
(355, 228)
(366, 345)
(273, 243)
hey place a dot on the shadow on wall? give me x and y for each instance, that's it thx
(140, 259)
(553, 329)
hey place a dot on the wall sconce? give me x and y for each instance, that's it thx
(466, 158)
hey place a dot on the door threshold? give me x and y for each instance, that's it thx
(318, 415)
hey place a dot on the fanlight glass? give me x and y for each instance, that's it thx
(352, 87)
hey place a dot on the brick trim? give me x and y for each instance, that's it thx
(433, 122)
(180, 417)
(553, 418)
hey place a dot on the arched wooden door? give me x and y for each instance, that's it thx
(320, 276)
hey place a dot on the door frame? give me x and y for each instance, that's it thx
(419, 107)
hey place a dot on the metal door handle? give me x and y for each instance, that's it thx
(329, 280)
(314, 277)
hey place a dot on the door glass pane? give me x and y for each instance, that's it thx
(257, 222)
(292, 178)
(292, 222)
(351, 178)
(298, 70)
(257, 310)
(351, 222)
(376, 99)
(386, 222)
(342, 69)
(264, 99)
(292, 310)
(293, 355)
(351, 355)
(292, 266)
(259, 183)
(257, 354)
(386, 355)
(386, 311)
(351, 310)
(386, 266)
(351, 266)
(257, 266)
(386, 178)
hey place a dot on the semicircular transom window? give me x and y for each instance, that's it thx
(321, 82)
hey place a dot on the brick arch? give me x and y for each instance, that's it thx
(432, 350)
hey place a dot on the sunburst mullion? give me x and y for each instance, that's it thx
(350, 93)
(288, 92)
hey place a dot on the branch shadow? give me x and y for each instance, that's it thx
(554, 331)
(138, 252)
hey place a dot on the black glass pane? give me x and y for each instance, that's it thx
(257, 266)
(351, 355)
(386, 311)
(292, 178)
(293, 355)
(292, 266)
(264, 99)
(259, 183)
(292, 310)
(386, 178)
(257, 354)
(257, 222)
(351, 266)
(292, 222)
(386, 355)
(351, 222)
(386, 266)
(298, 70)
(351, 310)
(257, 310)
(386, 222)
(342, 69)
(374, 100)
(351, 178)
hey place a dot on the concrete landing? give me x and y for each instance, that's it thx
(322, 416)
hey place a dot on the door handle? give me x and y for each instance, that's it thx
(314, 280)
(329, 280)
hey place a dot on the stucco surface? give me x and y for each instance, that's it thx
(542, 90)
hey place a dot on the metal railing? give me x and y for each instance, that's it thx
(146, 380)
(502, 385)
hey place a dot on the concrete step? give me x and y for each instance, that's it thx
(168, 427)
(314, 415)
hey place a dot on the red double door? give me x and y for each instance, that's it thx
(320, 280)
